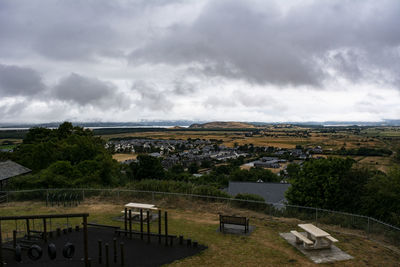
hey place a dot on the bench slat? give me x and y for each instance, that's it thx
(332, 239)
(233, 220)
(302, 237)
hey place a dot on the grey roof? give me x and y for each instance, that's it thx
(271, 192)
(10, 169)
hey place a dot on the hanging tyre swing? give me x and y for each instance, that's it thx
(52, 251)
(35, 252)
(69, 250)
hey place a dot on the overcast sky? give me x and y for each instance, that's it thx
(102, 60)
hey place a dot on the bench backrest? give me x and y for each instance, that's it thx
(233, 219)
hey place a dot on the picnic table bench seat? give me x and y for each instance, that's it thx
(235, 220)
(332, 239)
(302, 239)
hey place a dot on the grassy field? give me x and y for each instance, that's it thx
(199, 221)
(120, 157)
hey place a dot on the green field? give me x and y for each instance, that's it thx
(199, 221)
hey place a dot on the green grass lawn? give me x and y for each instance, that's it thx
(199, 221)
(8, 147)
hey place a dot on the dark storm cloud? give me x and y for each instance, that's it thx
(88, 91)
(261, 43)
(15, 80)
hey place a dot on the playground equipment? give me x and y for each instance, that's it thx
(32, 237)
(38, 240)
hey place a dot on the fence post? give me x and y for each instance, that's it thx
(152, 196)
(316, 215)
(368, 228)
(83, 195)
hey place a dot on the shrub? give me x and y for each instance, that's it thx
(250, 205)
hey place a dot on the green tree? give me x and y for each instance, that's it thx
(147, 167)
(381, 198)
(193, 168)
(67, 156)
(326, 183)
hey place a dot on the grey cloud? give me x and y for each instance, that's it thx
(151, 97)
(219, 102)
(182, 87)
(254, 100)
(15, 80)
(258, 42)
(13, 110)
(74, 30)
(89, 91)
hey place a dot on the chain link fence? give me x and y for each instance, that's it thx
(366, 226)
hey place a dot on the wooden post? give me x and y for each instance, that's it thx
(14, 238)
(166, 227)
(148, 226)
(122, 253)
(115, 249)
(100, 252)
(126, 220)
(107, 258)
(44, 230)
(141, 224)
(28, 231)
(159, 226)
(85, 242)
(130, 224)
(1, 249)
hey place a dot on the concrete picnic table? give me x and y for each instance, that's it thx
(133, 205)
(318, 235)
(139, 206)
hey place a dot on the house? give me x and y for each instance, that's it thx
(267, 164)
(9, 169)
(271, 192)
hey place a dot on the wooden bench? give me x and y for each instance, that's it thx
(302, 239)
(235, 220)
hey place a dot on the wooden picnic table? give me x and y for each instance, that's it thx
(318, 235)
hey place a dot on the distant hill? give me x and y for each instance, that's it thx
(222, 124)
(176, 127)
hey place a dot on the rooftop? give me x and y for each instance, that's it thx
(10, 169)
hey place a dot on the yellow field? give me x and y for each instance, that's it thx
(120, 157)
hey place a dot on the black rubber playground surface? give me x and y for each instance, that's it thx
(137, 252)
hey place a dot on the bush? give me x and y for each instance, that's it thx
(250, 205)
(177, 187)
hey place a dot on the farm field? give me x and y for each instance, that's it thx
(283, 139)
(376, 138)
(199, 221)
(120, 157)
(330, 139)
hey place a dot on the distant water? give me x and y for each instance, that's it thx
(112, 127)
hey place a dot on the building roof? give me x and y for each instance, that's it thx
(271, 192)
(10, 169)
